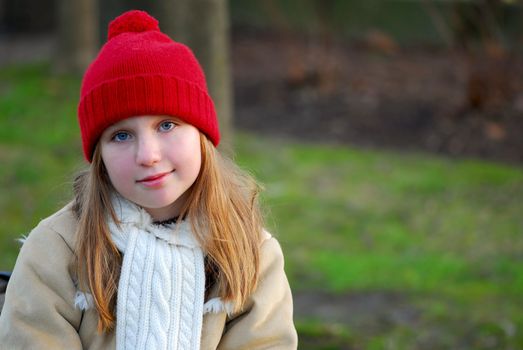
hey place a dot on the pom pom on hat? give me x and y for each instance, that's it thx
(132, 21)
(141, 71)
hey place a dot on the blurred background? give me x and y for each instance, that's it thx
(388, 135)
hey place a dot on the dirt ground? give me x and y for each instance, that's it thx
(377, 95)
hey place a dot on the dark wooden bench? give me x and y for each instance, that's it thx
(4, 278)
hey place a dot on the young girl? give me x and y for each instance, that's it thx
(163, 245)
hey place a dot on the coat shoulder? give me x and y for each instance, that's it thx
(63, 223)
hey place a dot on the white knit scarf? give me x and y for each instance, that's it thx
(162, 283)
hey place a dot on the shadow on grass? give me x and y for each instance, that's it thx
(393, 320)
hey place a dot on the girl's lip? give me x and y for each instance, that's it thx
(154, 178)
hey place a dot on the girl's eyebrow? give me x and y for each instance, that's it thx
(122, 125)
(113, 128)
(171, 117)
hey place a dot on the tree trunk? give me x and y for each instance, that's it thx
(77, 35)
(203, 25)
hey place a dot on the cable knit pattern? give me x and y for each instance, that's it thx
(160, 309)
(160, 301)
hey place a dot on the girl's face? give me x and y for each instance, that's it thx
(152, 161)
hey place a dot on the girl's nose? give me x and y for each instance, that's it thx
(148, 151)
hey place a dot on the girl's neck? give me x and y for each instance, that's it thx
(167, 222)
(168, 212)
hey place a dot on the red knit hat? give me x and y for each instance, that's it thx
(141, 71)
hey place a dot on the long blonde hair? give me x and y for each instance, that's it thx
(222, 208)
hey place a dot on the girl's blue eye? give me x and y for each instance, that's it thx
(166, 126)
(121, 136)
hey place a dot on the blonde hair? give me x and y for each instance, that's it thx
(222, 208)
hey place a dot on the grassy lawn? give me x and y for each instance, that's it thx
(445, 234)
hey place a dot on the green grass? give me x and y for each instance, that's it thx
(447, 233)
(427, 219)
(39, 149)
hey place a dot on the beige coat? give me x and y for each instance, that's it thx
(39, 310)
